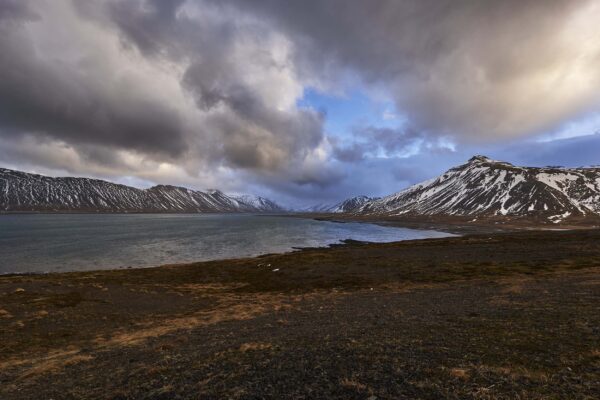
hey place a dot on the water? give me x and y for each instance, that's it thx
(77, 242)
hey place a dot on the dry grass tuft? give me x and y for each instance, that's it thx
(461, 373)
(255, 346)
(353, 384)
(517, 373)
(54, 362)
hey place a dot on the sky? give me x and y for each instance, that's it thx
(303, 102)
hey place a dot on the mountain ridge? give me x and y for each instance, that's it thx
(348, 205)
(480, 188)
(25, 192)
(484, 187)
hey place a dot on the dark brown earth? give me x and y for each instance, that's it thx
(494, 316)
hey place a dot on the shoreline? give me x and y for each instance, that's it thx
(292, 249)
(454, 224)
(457, 229)
(340, 244)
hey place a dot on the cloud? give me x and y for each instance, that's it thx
(163, 81)
(205, 93)
(16, 10)
(369, 141)
(67, 92)
(571, 152)
(239, 74)
(475, 70)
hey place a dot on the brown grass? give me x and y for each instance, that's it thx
(460, 373)
(353, 384)
(52, 362)
(254, 346)
(230, 308)
(517, 372)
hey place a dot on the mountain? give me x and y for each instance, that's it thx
(20, 191)
(489, 188)
(346, 206)
(259, 203)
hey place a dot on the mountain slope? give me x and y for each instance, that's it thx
(484, 187)
(346, 206)
(259, 203)
(20, 191)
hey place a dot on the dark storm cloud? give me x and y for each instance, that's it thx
(151, 24)
(16, 10)
(252, 133)
(239, 123)
(50, 97)
(256, 140)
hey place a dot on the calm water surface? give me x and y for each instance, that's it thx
(64, 242)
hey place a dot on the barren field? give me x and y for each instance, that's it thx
(487, 316)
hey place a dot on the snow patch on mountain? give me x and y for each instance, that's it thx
(259, 203)
(486, 187)
(20, 191)
(348, 205)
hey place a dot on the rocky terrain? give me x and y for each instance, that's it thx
(485, 188)
(23, 192)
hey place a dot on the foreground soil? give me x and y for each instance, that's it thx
(502, 315)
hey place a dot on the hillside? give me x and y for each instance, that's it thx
(487, 188)
(24, 192)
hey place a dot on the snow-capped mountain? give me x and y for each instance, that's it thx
(484, 187)
(259, 203)
(346, 206)
(20, 191)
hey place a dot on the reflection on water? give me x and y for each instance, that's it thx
(70, 242)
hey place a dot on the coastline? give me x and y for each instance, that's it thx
(455, 224)
(336, 236)
(241, 327)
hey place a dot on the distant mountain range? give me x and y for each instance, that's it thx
(346, 206)
(481, 188)
(487, 188)
(20, 191)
